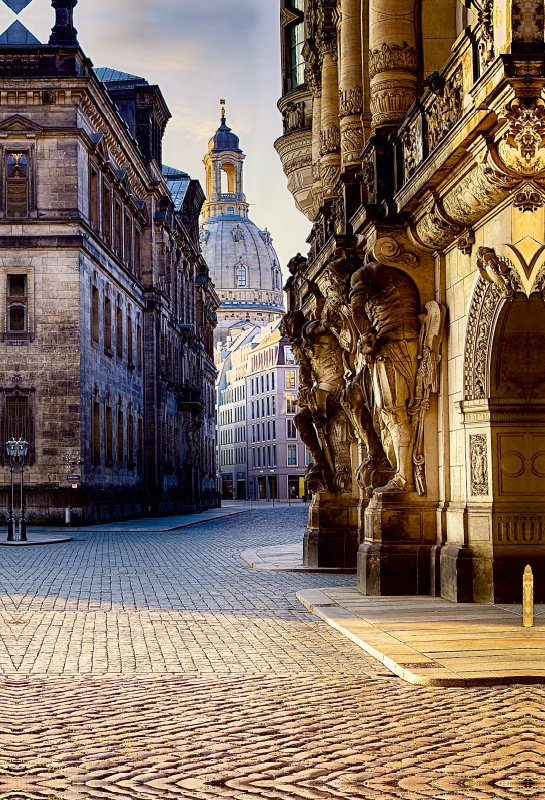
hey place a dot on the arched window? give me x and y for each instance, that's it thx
(241, 275)
(230, 210)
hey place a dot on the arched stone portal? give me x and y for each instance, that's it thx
(504, 420)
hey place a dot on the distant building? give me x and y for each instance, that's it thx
(106, 351)
(242, 261)
(259, 450)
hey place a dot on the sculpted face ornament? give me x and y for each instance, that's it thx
(523, 148)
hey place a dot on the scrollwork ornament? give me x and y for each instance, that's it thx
(350, 101)
(522, 149)
(528, 199)
(389, 57)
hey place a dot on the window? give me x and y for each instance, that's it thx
(262, 384)
(120, 437)
(291, 430)
(17, 185)
(17, 303)
(273, 404)
(290, 404)
(267, 381)
(118, 230)
(262, 406)
(290, 378)
(109, 437)
(297, 41)
(138, 347)
(274, 456)
(119, 332)
(292, 455)
(252, 387)
(94, 314)
(130, 353)
(140, 442)
(17, 418)
(128, 241)
(137, 252)
(230, 210)
(107, 325)
(308, 457)
(107, 214)
(241, 275)
(289, 357)
(94, 200)
(96, 432)
(272, 381)
(130, 441)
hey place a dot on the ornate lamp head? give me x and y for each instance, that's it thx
(11, 448)
(64, 34)
(23, 447)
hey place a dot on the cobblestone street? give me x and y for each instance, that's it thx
(159, 665)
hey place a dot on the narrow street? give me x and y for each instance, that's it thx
(160, 665)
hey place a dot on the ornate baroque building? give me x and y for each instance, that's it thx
(414, 141)
(106, 363)
(243, 264)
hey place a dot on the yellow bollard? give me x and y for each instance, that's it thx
(528, 598)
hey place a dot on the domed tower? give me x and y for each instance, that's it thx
(242, 261)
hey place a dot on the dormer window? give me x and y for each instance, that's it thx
(17, 185)
(241, 275)
(230, 210)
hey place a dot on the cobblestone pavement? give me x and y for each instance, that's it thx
(162, 666)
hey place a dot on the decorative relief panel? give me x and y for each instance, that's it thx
(479, 465)
(446, 108)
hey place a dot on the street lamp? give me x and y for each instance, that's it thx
(17, 452)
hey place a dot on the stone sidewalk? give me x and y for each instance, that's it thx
(431, 642)
(285, 558)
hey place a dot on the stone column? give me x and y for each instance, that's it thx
(393, 61)
(351, 80)
(330, 135)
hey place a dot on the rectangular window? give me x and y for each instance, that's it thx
(128, 242)
(273, 404)
(119, 332)
(94, 200)
(137, 261)
(268, 407)
(94, 314)
(292, 455)
(107, 325)
(268, 431)
(274, 456)
(17, 419)
(120, 437)
(253, 457)
(267, 381)
(252, 387)
(107, 214)
(130, 354)
(138, 347)
(289, 357)
(253, 410)
(308, 457)
(291, 430)
(290, 378)
(262, 384)
(140, 442)
(269, 462)
(272, 381)
(274, 429)
(262, 406)
(96, 432)
(17, 185)
(130, 441)
(118, 230)
(17, 302)
(109, 437)
(290, 404)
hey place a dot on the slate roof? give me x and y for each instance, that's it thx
(108, 75)
(178, 183)
(18, 34)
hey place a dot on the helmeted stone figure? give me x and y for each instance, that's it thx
(321, 421)
(385, 307)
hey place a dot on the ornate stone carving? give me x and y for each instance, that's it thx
(528, 199)
(321, 421)
(522, 149)
(466, 241)
(484, 32)
(446, 109)
(352, 140)
(389, 252)
(390, 101)
(350, 101)
(389, 57)
(527, 20)
(330, 140)
(496, 283)
(293, 117)
(434, 230)
(479, 465)
(368, 176)
(330, 174)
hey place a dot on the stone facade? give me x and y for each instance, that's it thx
(107, 317)
(418, 315)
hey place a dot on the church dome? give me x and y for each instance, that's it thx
(241, 258)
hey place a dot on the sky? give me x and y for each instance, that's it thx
(199, 51)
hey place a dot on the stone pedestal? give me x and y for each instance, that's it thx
(395, 556)
(331, 538)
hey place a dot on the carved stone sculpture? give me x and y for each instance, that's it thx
(321, 421)
(385, 307)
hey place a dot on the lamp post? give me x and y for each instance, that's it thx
(17, 452)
